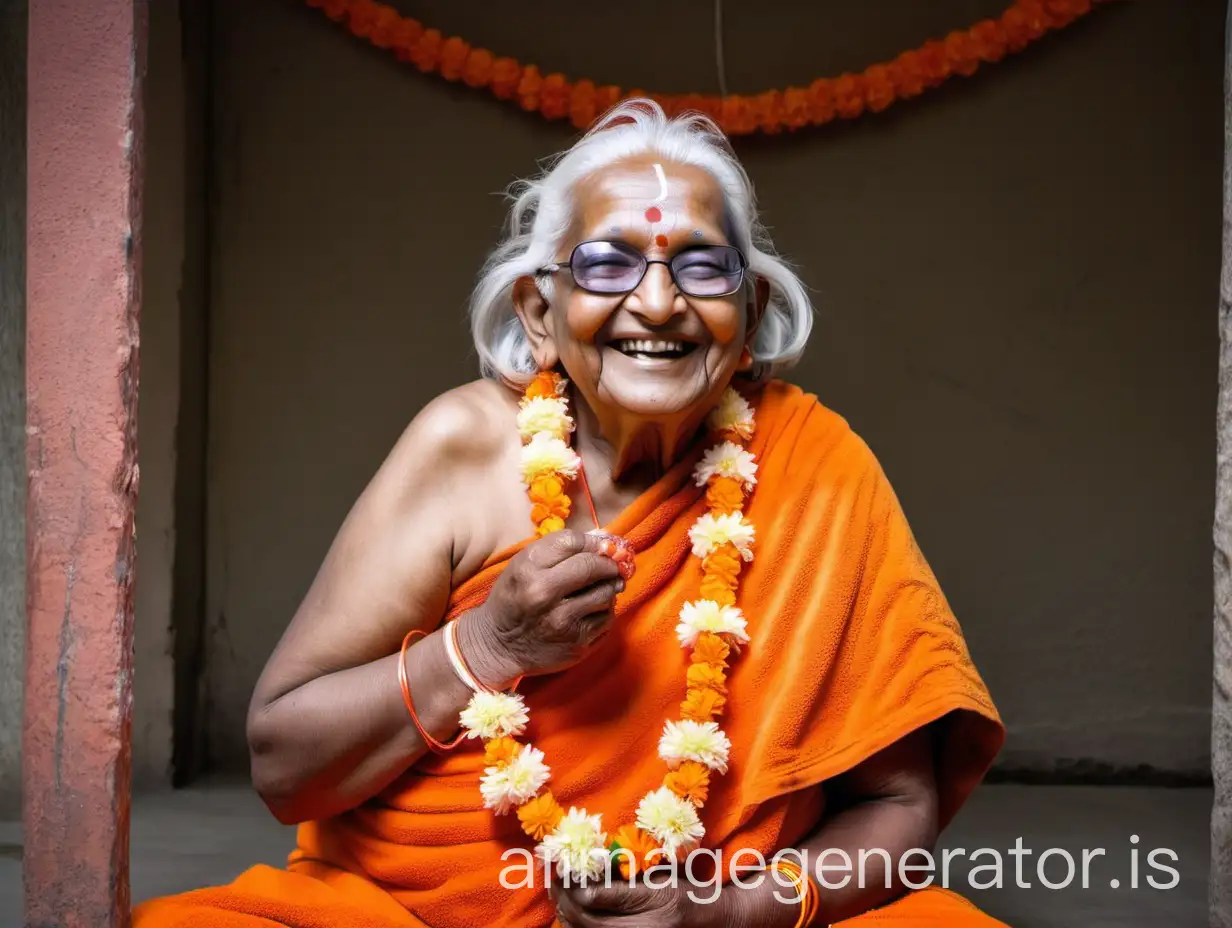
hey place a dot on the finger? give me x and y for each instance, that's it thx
(581, 571)
(559, 546)
(615, 897)
(593, 606)
(570, 913)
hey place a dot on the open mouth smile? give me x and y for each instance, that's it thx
(653, 349)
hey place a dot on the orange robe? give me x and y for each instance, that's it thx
(852, 647)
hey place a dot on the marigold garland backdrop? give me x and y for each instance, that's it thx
(848, 96)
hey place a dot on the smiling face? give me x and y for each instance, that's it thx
(652, 351)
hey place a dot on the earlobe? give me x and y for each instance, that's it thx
(533, 312)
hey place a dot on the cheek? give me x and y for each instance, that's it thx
(724, 322)
(584, 316)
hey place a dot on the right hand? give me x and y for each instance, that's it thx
(546, 610)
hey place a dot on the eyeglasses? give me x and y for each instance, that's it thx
(613, 267)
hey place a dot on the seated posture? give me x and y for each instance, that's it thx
(628, 603)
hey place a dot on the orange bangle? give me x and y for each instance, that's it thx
(809, 901)
(437, 747)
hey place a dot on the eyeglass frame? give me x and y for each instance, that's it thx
(646, 263)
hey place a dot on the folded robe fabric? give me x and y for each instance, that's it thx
(853, 646)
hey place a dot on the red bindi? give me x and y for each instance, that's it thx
(653, 214)
(661, 240)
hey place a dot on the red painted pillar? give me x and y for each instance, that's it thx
(86, 60)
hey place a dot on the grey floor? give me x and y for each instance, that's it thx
(206, 836)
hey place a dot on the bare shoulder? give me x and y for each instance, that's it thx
(455, 468)
(464, 429)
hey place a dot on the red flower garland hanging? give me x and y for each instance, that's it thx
(827, 99)
(848, 96)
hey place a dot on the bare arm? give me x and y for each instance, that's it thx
(889, 802)
(327, 727)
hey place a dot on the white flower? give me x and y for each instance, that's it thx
(491, 715)
(546, 454)
(577, 845)
(705, 615)
(703, 742)
(670, 820)
(518, 781)
(726, 460)
(710, 532)
(544, 414)
(733, 414)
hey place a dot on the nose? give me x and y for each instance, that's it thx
(656, 298)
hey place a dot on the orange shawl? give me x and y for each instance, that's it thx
(852, 646)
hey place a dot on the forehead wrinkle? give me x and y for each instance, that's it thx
(693, 194)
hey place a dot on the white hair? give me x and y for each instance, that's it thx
(542, 213)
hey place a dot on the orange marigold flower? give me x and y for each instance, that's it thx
(385, 27)
(717, 589)
(707, 677)
(821, 101)
(849, 96)
(936, 67)
(506, 75)
(878, 87)
(725, 494)
(702, 705)
(528, 93)
(582, 104)
(769, 107)
(478, 69)
(639, 847)
(1064, 12)
(540, 815)
(427, 51)
(907, 72)
(710, 649)
(549, 525)
(989, 40)
(606, 97)
(500, 751)
(406, 34)
(336, 9)
(544, 384)
(737, 117)
(962, 53)
(795, 108)
(724, 562)
(453, 58)
(690, 781)
(554, 97)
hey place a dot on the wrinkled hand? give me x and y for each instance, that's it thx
(547, 609)
(637, 906)
(620, 905)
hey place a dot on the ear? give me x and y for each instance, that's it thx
(534, 313)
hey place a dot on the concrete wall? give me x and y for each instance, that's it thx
(12, 396)
(1017, 279)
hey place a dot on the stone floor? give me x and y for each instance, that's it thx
(207, 835)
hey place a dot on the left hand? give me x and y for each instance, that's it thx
(620, 905)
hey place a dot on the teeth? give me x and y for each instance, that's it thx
(646, 346)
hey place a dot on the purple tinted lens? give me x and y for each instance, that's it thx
(711, 270)
(607, 267)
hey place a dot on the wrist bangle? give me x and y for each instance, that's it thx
(437, 747)
(805, 889)
(460, 667)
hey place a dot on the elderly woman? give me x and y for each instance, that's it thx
(628, 632)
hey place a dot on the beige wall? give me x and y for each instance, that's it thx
(1017, 280)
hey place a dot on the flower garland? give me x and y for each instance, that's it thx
(711, 628)
(826, 99)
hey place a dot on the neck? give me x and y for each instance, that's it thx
(626, 445)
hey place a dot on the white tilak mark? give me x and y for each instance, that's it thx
(658, 169)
